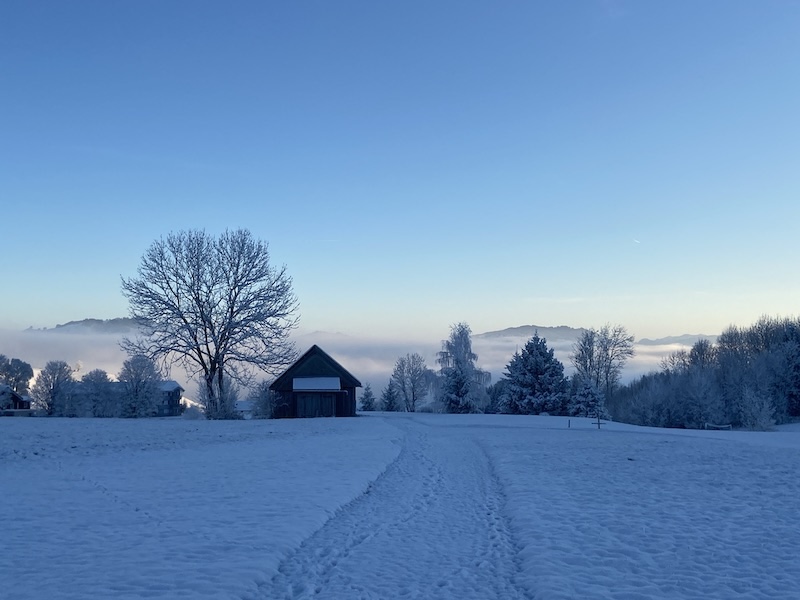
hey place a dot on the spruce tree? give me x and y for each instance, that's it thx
(390, 399)
(588, 402)
(536, 381)
(367, 399)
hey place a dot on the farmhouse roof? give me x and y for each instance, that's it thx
(170, 385)
(314, 363)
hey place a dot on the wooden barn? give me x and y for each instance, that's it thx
(315, 386)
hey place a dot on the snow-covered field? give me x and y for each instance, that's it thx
(395, 506)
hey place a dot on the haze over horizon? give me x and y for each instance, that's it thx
(413, 165)
(92, 346)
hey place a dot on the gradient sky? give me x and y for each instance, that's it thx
(412, 163)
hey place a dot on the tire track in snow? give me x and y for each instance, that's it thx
(431, 526)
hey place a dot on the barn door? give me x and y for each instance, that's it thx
(316, 405)
(327, 405)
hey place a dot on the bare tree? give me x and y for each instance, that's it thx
(616, 347)
(410, 378)
(216, 306)
(584, 357)
(599, 356)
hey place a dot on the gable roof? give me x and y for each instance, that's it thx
(7, 390)
(314, 363)
(170, 385)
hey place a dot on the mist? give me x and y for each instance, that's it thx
(370, 360)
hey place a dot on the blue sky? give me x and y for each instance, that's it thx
(412, 163)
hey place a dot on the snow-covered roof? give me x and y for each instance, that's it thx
(6, 390)
(169, 385)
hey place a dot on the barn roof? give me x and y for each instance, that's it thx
(314, 363)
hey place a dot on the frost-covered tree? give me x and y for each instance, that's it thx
(536, 381)
(220, 404)
(367, 399)
(756, 410)
(262, 400)
(215, 305)
(599, 356)
(585, 358)
(463, 385)
(390, 398)
(787, 377)
(457, 386)
(52, 390)
(497, 394)
(758, 363)
(697, 399)
(410, 380)
(588, 401)
(16, 374)
(98, 394)
(140, 381)
(676, 362)
(703, 354)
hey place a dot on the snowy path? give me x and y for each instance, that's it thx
(432, 526)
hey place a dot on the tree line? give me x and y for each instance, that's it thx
(57, 393)
(749, 378)
(534, 381)
(216, 306)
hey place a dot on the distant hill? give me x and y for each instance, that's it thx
(563, 333)
(108, 326)
(552, 334)
(687, 339)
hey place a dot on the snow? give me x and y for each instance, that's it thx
(395, 506)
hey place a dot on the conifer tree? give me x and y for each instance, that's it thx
(536, 381)
(367, 399)
(463, 385)
(390, 399)
(588, 402)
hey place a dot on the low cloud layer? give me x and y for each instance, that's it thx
(370, 359)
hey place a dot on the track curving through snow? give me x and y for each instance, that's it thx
(431, 526)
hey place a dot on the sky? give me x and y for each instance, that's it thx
(413, 164)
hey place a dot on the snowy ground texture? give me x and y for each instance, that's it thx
(395, 506)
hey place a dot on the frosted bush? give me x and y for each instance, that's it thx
(756, 410)
(193, 413)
